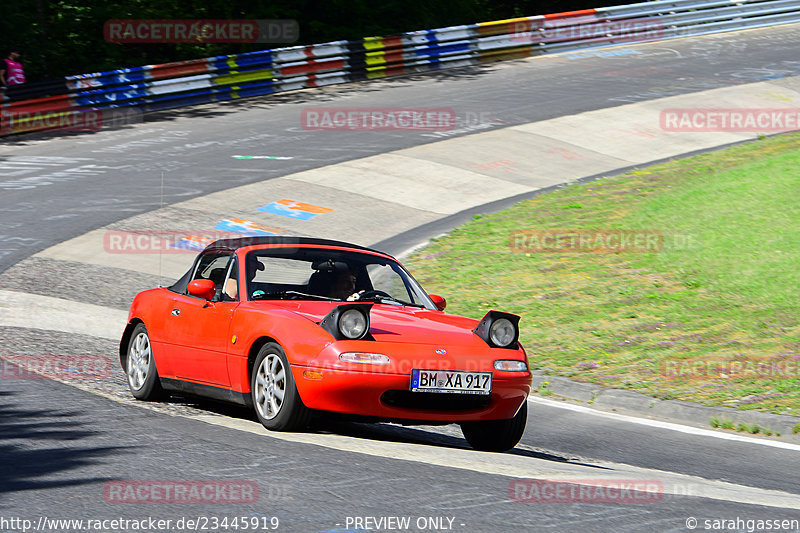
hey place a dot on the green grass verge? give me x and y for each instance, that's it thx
(710, 316)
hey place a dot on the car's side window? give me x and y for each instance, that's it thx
(230, 290)
(215, 267)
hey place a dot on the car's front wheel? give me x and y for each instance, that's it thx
(274, 392)
(141, 367)
(496, 435)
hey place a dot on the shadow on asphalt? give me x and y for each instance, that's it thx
(334, 424)
(32, 463)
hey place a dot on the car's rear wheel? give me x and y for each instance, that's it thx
(141, 367)
(496, 435)
(274, 392)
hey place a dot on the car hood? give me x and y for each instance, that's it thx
(396, 323)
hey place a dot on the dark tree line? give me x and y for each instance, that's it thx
(61, 37)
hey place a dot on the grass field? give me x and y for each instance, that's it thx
(709, 312)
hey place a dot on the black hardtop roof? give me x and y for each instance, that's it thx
(231, 245)
(235, 244)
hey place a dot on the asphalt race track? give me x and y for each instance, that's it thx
(61, 443)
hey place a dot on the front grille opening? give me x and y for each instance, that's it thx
(434, 401)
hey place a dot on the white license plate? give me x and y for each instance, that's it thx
(451, 381)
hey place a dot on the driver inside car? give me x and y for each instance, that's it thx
(344, 286)
(334, 279)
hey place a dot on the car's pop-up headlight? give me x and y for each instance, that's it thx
(353, 323)
(348, 322)
(502, 332)
(499, 330)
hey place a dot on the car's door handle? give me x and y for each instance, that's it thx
(176, 312)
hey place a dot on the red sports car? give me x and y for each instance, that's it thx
(293, 325)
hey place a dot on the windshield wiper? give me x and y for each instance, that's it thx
(280, 296)
(298, 293)
(393, 299)
(258, 295)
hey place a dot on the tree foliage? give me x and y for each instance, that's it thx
(62, 37)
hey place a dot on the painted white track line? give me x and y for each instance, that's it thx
(663, 425)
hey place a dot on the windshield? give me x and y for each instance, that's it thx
(321, 274)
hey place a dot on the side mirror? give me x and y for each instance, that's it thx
(203, 288)
(438, 301)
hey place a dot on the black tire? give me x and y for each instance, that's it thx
(271, 376)
(140, 367)
(496, 435)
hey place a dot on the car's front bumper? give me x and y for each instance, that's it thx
(385, 395)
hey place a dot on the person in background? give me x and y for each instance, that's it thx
(11, 72)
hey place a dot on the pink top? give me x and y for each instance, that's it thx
(14, 73)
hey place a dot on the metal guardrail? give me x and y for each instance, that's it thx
(105, 96)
